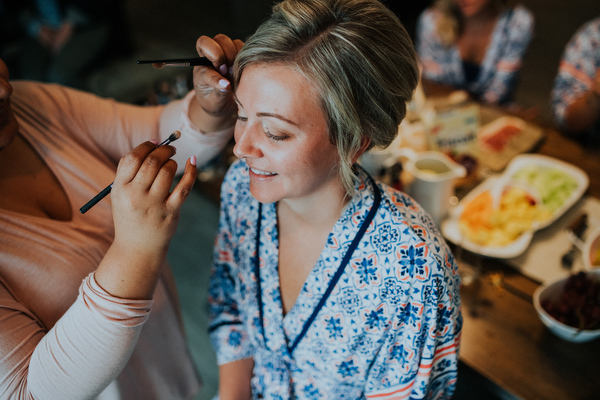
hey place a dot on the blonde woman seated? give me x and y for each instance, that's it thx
(476, 45)
(326, 283)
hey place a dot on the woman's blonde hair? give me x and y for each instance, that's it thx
(449, 25)
(360, 58)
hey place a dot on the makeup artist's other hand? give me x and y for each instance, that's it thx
(212, 85)
(145, 212)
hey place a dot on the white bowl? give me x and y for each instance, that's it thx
(552, 290)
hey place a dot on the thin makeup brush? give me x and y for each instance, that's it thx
(180, 62)
(172, 137)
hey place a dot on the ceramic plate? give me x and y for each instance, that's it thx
(450, 227)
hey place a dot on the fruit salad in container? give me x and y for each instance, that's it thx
(554, 185)
(536, 191)
(485, 224)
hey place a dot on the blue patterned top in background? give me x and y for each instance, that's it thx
(497, 79)
(577, 70)
(390, 327)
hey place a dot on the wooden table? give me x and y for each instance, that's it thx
(503, 338)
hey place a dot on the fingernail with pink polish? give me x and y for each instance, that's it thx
(154, 141)
(193, 160)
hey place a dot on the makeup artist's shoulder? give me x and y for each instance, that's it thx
(38, 95)
(42, 90)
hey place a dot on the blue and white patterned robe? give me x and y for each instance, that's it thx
(501, 64)
(577, 71)
(389, 328)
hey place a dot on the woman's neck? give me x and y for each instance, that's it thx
(318, 209)
(482, 19)
(476, 35)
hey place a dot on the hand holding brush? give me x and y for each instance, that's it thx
(172, 137)
(145, 214)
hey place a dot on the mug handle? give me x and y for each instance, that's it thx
(405, 153)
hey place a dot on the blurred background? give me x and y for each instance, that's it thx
(110, 35)
(118, 32)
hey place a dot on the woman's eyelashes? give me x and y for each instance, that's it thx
(266, 130)
(272, 136)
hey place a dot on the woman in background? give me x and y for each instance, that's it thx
(576, 93)
(327, 284)
(475, 45)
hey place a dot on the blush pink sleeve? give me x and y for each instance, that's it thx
(79, 356)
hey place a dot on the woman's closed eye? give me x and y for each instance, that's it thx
(272, 136)
(266, 130)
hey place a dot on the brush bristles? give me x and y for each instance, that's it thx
(174, 136)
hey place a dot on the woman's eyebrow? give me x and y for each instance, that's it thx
(266, 114)
(273, 115)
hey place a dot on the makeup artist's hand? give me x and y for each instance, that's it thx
(145, 215)
(212, 85)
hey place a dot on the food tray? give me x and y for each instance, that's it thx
(450, 227)
(496, 158)
(542, 161)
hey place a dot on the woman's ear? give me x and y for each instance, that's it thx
(364, 145)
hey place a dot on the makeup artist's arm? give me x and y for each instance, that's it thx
(91, 343)
(206, 117)
(145, 217)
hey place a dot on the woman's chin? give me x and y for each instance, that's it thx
(263, 196)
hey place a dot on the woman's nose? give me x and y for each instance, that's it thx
(247, 142)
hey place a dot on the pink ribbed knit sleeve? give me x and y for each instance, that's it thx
(80, 355)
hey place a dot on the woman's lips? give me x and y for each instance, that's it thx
(261, 173)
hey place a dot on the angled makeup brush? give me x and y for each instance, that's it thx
(179, 62)
(172, 137)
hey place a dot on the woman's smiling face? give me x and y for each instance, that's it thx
(282, 134)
